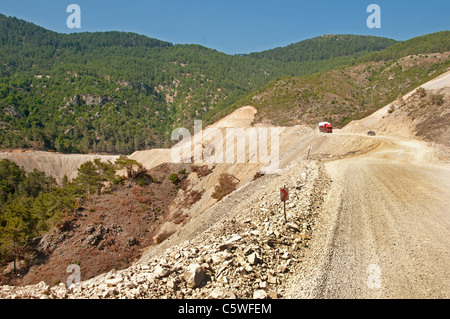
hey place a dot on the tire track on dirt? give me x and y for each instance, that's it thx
(389, 212)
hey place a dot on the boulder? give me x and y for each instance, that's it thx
(194, 275)
(253, 258)
(260, 294)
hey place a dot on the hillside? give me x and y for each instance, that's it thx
(353, 92)
(420, 113)
(159, 215)
(118, 92)
(109, 231)
(344, 94)
(240, 245)
(326, 47)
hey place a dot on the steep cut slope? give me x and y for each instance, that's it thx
(53, 164)
(422, 113)
(340, 96)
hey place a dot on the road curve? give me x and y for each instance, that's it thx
(388, 230)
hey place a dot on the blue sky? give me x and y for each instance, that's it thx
(233, 26)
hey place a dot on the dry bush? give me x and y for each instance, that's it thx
(421, 92)
(391, 109)
(201, 171)
(227, 184)
(142, 177)
(161, 237)
(178, 218)
(66, 224)
(436, 99)
(257, 175)
(400, 102)
(142, 195)
(191, 198)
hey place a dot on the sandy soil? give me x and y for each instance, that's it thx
(384, 228)
(53, 164)
(386, 210)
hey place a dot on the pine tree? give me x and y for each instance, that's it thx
(93, 175)
(127, 163)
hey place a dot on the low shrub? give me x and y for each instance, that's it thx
(227, 184)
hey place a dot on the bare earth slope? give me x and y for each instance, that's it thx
(53, 164)
(421, 115)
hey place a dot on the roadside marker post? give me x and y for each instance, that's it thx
(309, 150)
(284, 196)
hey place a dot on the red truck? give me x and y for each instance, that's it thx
(325, 127)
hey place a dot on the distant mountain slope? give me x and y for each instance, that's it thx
(350, 93)
(326, 47)
(119, 92)
(430, 43)
(422, 112)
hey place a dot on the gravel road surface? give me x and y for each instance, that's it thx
(386, 227)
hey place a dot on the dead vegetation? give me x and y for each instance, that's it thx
(111, 230)
(201, 170)
(226, 185)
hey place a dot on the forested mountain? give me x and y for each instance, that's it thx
(438, 42)
(345, 94)
(326, 47)
(118, 92)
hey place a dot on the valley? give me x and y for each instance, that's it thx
(104, 169)
(358, 201)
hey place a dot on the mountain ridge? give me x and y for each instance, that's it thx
(115, 92)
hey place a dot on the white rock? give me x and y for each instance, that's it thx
(194, 275)
(260, 294)
(286, 255)
(222, 293)
(221, 257)
(253, 258)
(113, 282)
(161, 272)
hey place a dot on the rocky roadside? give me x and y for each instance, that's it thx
(249, 254)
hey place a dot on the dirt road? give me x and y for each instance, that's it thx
(386, 227)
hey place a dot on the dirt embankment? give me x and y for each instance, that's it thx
(422, 113)
(52, 164)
